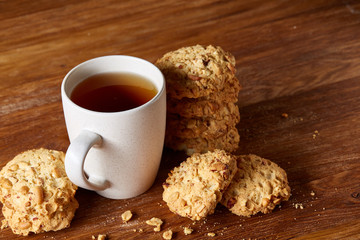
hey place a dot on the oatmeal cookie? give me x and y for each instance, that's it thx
(228, 142)
(190, 108)
(36, 193)
(258, 186)
(208, 128)
(195, 187)
(196, 71)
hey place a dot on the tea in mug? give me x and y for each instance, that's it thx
(113, 92)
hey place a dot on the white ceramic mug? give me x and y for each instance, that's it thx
(116, 154)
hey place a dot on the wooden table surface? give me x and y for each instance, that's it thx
(301, 58)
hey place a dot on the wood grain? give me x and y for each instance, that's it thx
(296, 57)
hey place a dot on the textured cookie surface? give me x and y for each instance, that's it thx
(214, 105)
(228, 142)
(36, 193)
(196, 71)
(258, 186)
(208, 128)
(195, 187)
(190, 108)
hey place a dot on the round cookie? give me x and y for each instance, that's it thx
(195, 187)
(196, 71)
(258, 186)
(36, 193)
(228, 142)
(208, 128)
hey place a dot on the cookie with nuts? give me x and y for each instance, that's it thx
(204, 127)
(195, 187)
(228, 142)
(258, 186)
(194, 107)
(36, 193)
(196, 71)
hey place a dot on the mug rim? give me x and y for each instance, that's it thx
(65, 95)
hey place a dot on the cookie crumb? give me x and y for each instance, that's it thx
(299, 205)
(312, 193)
(100, 237)
(157, 222)
(316, 133)
(126, 216)
(285, 115)
(167, 235)
(187, 230)
(211, 234)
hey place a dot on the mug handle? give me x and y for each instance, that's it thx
(75, 159)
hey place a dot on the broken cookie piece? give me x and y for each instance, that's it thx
(167, 235)
(157, 222)
(126, 216)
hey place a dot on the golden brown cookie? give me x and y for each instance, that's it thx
(228, 142)
(193, 107)
(196, 71)
(195, 187)
(36, 193)
(258, 186)
(208, 128)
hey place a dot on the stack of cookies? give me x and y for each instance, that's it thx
(202, 92)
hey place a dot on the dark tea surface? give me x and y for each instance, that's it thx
(113, 92)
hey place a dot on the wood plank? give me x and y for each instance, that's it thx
(344, 231)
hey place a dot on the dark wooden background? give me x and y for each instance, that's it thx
(297, 57)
